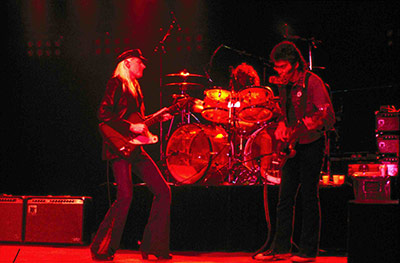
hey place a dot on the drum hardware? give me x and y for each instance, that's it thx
(183, 84)
(186, 113)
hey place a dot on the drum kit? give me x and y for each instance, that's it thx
(234, 144)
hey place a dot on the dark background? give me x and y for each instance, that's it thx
(51, 142)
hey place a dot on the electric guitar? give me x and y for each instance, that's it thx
(286, 149)
(123, 141)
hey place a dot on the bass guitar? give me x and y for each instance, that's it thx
(286, 149)
(123, 142)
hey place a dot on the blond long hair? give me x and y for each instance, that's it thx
(133, 86)
(122, 72)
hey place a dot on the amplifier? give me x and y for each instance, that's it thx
(371, 186)
(386, 121)
(388, 143)
(58, 219)
(11, 218)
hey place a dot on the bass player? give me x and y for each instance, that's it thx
(306, 113)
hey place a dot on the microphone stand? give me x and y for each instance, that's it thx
(160, 49)
(312, 43)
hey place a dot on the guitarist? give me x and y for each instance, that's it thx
(123, 97)
(306, 113)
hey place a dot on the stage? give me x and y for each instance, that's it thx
(215, 224)
(43, 254)
(62, 55)
(228, 218)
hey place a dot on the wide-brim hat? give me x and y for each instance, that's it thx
(132, 53)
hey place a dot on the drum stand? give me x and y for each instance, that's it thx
(237, 173)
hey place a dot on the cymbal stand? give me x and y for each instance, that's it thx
(236, 152)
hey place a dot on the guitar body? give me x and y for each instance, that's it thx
(122, 141)
(285, 150)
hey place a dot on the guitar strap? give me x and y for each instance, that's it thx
(303, 100)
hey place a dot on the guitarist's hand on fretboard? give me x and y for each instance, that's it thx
(166, 117)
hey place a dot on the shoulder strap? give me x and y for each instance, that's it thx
(303, 101)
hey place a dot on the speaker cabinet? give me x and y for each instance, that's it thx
(373, 232)
(57, 220)
(11, 218)
(386, 121)
(388, 144)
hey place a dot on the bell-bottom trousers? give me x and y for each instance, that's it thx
(157, 231)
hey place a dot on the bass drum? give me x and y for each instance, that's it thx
(198, 153)
(259, 153)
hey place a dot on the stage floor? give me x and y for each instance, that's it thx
(64, 254)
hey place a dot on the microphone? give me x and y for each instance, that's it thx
(174, 21)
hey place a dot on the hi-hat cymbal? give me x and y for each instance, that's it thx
(186, 85)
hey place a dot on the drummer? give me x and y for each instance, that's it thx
(245, 76)
(242, 77)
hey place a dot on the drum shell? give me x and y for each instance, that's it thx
(256, 104)
(215, 106)
(261, 142)
(198, 153)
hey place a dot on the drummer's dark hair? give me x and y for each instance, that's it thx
(287, 50)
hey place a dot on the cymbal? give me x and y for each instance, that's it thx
(184, 74)
(187, 85)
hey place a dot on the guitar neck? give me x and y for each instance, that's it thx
(157, 117)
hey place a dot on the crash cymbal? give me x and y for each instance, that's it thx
(184, 74)
(186, 85)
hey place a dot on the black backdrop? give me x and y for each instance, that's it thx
(51, 144)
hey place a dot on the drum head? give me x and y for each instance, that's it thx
(215, 107)
(256, 105)
(193, 149)
(259, 153)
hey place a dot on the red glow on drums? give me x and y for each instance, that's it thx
(219, 136)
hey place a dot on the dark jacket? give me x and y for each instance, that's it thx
(117, 104)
